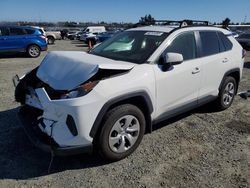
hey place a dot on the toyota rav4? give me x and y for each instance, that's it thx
(109, 97)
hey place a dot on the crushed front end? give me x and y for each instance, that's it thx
(51, 124)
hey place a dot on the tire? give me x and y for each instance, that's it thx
(51, 40)
(33, 51)
(117, 141)
(226, 93)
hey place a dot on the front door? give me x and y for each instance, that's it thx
(178, 87)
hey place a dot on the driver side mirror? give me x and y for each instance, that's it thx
(170, 59)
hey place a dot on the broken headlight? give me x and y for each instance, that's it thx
(80, 91)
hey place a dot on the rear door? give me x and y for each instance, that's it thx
(215, 58)
(16, 39)
(4, 34)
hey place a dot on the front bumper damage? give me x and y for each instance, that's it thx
(27, 116)
(55, 125)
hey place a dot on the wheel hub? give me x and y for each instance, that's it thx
(124, 134)
(228, 93)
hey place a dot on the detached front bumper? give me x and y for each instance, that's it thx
(28, 115)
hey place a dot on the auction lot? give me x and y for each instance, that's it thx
(202, 148)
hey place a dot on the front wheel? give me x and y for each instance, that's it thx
(226, 93)
(122, 132)
(33, 51)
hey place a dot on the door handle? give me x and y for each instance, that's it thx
(196, 70)
(225, 60)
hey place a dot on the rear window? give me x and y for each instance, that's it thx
(4, 31)
(42, 32)
(210, 43)
(17, 31)
(225, 41)
(30, 31)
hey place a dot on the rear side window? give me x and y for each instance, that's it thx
(210, 43)
(184, 44)
(225, 41)
(17, 31)
(4, 31)
(42, 32)
(30, 31)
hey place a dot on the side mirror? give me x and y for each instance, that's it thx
(171, 59)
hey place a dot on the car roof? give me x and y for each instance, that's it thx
(168, 29)
(18, 26)
(165, 29)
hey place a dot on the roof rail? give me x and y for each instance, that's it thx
(182, 23)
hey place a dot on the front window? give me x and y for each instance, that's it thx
(184, 44)
(132, 46)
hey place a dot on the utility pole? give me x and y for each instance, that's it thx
(245, 19)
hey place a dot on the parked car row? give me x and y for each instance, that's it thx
(32, 40)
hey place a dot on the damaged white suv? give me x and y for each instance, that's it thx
(111, 96)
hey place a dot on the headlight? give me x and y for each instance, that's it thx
(80, 91)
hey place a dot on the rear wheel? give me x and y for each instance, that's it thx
(33, 50)
(122, 132)
(51, 40)
(227, 93)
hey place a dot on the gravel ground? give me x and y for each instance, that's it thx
(201, 148)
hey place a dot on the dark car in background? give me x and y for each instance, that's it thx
(30, 40)
(244, 40)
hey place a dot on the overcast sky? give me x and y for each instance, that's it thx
(123, 10)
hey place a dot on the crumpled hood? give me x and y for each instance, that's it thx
(65, 70)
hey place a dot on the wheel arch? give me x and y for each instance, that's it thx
(33, 44)
(140, 99)
(235, 73)
(51, 36)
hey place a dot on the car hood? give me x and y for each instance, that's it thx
(66, 70)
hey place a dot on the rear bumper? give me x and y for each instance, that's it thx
(44, 48)
(42, 140)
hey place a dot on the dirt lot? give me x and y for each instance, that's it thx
(201, 148)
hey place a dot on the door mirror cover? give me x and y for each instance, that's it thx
(173, 58)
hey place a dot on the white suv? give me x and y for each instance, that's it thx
(108, 98)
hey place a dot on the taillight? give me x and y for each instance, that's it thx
(42, 37)
(244, 53)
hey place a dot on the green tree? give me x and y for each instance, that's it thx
(147, 20)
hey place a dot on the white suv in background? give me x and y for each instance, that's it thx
(108, 98)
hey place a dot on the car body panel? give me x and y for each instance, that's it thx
(78, 67)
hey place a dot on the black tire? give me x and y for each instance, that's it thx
(222, 101)
(51, 40)
(112, 117)
(33, 51)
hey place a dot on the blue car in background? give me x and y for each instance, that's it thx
(106, 35)
(31, 40)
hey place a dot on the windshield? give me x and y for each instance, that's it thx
(132, 46)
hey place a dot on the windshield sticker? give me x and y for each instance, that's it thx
(153, 33)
